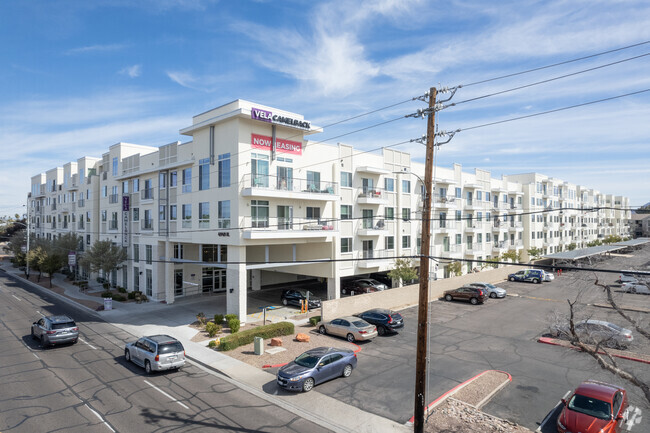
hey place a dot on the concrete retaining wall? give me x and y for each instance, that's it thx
(406, 296)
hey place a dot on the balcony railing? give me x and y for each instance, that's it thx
(81, 203)
(282, 183)
(146, 194)
(289, 224)
(112, 225)
(112, 198)
(444, 199)
(372, 192)
(53, 206)
(444, 225)
(146, 224)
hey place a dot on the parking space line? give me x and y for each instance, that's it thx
(85, 342)
(165, 394)
(100, 417)
(35, 355)
(15, 296)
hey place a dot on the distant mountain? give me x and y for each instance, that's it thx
(643, 209)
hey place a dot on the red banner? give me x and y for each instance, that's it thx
(285, 146)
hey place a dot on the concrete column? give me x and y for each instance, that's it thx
(168, 279)
(236, 282)
(256, 277)
(334, 287)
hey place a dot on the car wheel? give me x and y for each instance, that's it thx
(350, 338)
(448, 298)
(473, 301)
(127, 355)
(537, 281)
(511, 279)
(322, 329)
(308, 385)
(344, 291)
(285, 302)
(493, 295)
(147, 367)
(347, 371)
(381, 330)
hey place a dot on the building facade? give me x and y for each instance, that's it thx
(251, 202)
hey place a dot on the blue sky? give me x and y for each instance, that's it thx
(79, 76)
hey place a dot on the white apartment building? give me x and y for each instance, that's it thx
(250, 202)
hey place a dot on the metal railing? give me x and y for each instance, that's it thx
(112, 198)
(281, 183)
(146, 224)
(146, 194)
(288, 224)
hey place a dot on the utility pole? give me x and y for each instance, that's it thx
(27, 252)
(423, 301)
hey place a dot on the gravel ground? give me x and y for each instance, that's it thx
(478, 389)
(454, 416)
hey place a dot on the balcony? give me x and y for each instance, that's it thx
(473, 226)
(371, 227)
(444, 226)
(146, 224)
(515, 226)
(112, 225)
(288, 228)
(54, 206)
(452, 250)
(499, 246)
(372, 196)
(444, 201)
(146, 194)
(112, 198)
(473, 204)
(374, 258)
(500, 206)
(288, 188)
(498, 225)
(81, 203)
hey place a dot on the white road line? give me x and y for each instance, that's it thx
(100, 418)
(40, 313)
(165, 394)
(35, 355)
(16, 297)
(85, 342)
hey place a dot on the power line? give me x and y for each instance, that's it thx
(556, 64)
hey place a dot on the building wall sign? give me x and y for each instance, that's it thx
(268, 116)
(286, 146)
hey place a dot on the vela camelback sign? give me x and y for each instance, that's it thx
(286, 146)
(268, 116)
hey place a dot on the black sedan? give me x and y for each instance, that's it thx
(316, 366)
(385, 320)
(295, 296)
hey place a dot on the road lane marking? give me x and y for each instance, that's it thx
(85, 342)
(165, 394)
(40, 313)
(35, 355)
(15, 297)
(635, 418)
(100, 417)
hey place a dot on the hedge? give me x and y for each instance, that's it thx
(313, 321)
(232, 341)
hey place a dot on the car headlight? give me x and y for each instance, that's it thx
(295, 379)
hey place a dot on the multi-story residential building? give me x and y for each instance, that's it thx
(640, 225)
(250, 202)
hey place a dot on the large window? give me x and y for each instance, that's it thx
(204, 215)
(346, 212)
(204, 174)
(260, 170)
(162, 180)
(406, 213)
(406, 186)
(224, 214)
(187, 180)
(346, 245)
(173, 213)
(389, 213)
(390, 242)
(173, 179)
(162, 213)
(214, 253)
(187, 216)
(148, 254)
(285, 178)
(346, 179)
(406, 242)
(313, 213)
(313, 181)
(224, 170)
(136, 253)
(260, 213)
(114, 166)
(389, 184)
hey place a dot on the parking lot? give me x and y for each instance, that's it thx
(501, 334)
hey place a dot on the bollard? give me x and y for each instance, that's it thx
(259, 345)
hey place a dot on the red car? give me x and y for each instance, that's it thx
(594, 407)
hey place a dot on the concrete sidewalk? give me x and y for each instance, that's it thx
(160, 318)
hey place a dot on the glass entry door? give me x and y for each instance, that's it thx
(285, 217)
(368, 249)
(214, 280)
(178, 282)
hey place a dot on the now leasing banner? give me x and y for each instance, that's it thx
(286, 146)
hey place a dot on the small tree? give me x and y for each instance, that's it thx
(36, 258)
(15, 246)
(103, 256)
(403, 271)
(535, 253)
(572, 246)
(612, 239)
(512, 255)
(52, 263)
(594, 243)
(491, 261)
(455, 269)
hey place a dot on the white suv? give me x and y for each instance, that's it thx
(156, 353)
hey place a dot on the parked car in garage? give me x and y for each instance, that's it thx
(294, 296)
(492, 290)
(156, 353)
(594, 331)
(474, 295)
(594, 407)
(364, 285)
(316, 366)
(636, 288)
(528, 275)
(350, 327)
(386, 321)
(53, 330)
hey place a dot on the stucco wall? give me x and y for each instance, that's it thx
(407, 296)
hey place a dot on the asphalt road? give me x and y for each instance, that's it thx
(89, 387)
(501, 334)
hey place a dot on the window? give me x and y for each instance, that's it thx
(406, 186)
(125, 187)
(459, 193)
(479, 238)
(178, 251)
(260, 170)
(148, 190)
(445, 244)
(487, 196)
(162, 213)
(204, 215)
(114, 166)
(313, 181)
(285, 178)
(479, 216)
(406, 241)
(187, 216)
(223, 214)
(148, 254)
(260, 213)
(479, 195)
(104, 216)
(149, 282)
(136, 279)
(346, 245)
(173, 179)
(488, 238)
(87, 239)
(136, 253)
(104, 191)
(136, 185)
(459, 239)
(173, 212)
(346, 179)
(406, 213)
(313, 213)
(459, 215)
(162, 180)
(389, 184)
(187, 180)
(390, 242)
(346, 211)
(136, 214)
(223, 167)
(204, 174)
(389, 213)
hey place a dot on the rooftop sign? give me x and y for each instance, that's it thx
(268, 116)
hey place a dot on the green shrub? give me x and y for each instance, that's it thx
(201, 318)
(234, 325)
(107, 294)
(211, 329)
(212, 344)
(218, 318)
(119, 298)
(121, 289)
(131, 295)
(313, 321)
(230, 317)
(232, 341)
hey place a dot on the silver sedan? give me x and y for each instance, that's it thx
(492, 290)
(352, 328)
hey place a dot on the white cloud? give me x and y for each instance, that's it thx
(95, 49)
(132, 71)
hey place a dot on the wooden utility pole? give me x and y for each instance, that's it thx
(423, 301)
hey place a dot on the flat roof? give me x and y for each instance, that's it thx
(584, 252)
(633, 242)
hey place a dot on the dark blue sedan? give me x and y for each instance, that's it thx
(316, 366)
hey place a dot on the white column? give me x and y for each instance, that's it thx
(256, 277)
(168, 279)
(236, 282)
(334, 287)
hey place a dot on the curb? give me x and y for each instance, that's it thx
(460, 386)
(553, 342)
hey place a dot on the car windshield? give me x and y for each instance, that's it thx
(170, 347)
(360, 323)
(614, 326)
(63, 325)
(490, 286)
(307, 360)
(590, 406)
(306, 293)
